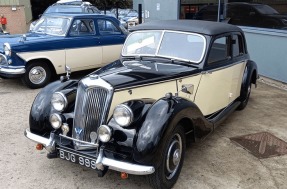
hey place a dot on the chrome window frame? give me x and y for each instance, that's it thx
(160, 41)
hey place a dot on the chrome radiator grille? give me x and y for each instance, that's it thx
(90, 111)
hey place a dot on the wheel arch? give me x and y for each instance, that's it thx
(47, 62)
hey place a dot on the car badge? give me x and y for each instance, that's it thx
(78, 131)
(93, 137)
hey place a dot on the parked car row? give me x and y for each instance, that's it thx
(81, 41)
(137, 114)
(246, 14)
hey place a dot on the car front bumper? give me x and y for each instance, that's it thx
(121, 166)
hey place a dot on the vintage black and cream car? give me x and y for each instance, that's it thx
(175, 83)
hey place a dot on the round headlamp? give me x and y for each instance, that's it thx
(59, 101)
(104, 133)
(7, 49)
(56, 121)
(123, 115)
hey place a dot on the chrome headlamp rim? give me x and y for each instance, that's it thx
(65, 101)
(59, 120)
(109, 133)
(8, 46)
(129, 110)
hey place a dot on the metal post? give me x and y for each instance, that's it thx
(140, 13)
(218, 13)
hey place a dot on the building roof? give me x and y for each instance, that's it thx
(196, 26)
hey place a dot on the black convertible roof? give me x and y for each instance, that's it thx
(196, 26)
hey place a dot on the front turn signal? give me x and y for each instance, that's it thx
(124, 175)
(39, 147)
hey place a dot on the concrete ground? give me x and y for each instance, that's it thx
(214, 163)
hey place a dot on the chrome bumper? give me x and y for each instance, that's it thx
(130, 168)
(12, 70)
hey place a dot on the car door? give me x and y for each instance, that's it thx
(111, 39)
(214, 89)
(84, 50)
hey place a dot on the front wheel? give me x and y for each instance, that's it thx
(37, 75)
(172, 155)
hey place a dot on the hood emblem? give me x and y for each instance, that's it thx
(78, 131)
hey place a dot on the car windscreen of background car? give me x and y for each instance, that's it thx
(63, 9)
(52, 25)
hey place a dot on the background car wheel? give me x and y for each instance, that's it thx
(37, 75)
(245, 100)
(172, 155)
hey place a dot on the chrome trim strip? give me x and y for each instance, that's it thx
(158, 82)
(48, 143)
(12, 70)
(80, 141)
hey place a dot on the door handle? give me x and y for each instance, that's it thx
(206, 72)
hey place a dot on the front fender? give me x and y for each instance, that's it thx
(41, 107)
(164, 114)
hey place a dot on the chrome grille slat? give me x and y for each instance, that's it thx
(90, 110)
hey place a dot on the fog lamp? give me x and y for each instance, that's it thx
(104, 133)
(56, 121)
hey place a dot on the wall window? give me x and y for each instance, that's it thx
(252, 13)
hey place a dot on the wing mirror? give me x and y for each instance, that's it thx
(68, 73)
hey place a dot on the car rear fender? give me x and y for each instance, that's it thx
(250, 75)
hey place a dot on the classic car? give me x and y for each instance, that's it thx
(66, 6)
(175, 82)
(81, 41)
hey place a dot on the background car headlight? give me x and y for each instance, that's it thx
(7, 49)
(105, 133)
(56, 121)
(123, 115)
(59, 101)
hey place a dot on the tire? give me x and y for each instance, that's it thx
(38, 74)
(172, 154)
(245, 98)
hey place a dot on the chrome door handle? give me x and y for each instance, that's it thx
(206, 72)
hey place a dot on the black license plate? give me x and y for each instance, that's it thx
(77, 158)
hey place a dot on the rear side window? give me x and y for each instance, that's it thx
(219, 50)
(237, 46)
(107, 27)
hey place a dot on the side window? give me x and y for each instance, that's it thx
(237, 46)
(82, 27)
(106, 27)
(219, 50)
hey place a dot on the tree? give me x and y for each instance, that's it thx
(108, 4)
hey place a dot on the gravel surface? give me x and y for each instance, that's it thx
(214, 163)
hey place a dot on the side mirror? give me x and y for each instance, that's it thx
(68, 73)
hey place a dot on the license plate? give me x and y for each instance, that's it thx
(77, 158)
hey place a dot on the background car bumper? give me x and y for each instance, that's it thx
(102, 161)
(11, 72)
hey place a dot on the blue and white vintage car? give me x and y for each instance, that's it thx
(80, 41)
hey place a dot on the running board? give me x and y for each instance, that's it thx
(216, 121)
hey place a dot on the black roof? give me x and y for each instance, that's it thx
(196, 26)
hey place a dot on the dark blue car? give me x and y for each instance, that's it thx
(80, 41)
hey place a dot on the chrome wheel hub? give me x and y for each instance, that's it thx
(37, 75)
(173, 156)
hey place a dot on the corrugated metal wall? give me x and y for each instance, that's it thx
(9, 2)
